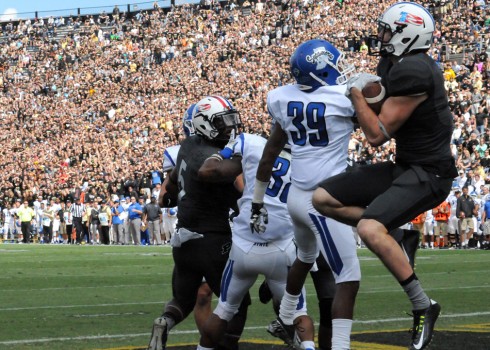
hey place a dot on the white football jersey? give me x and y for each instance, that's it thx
(170, 158)
(279, 230)
(318, 125)
(453, 201)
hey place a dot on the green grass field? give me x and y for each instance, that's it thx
(101, 297)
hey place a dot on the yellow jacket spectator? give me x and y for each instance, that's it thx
(25, 214)
(449, 74)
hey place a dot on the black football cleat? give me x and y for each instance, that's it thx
(423, 326)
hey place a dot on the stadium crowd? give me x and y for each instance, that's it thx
(90, 113)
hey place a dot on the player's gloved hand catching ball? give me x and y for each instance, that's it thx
(359, 81)
(259, 218)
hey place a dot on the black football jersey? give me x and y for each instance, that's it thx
(424, 139)
(203, 207)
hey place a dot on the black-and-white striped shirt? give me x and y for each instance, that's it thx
(77, 210)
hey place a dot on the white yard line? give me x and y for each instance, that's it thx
(134, 335)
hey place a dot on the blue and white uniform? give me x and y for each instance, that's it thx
(318, 125)
(453, 219)
(170, 158)
(272, 252)
(169, 220)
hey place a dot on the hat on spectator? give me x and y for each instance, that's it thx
(116, 200)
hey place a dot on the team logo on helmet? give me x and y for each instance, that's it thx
(204, 107)
(320, 57)
(408, 18)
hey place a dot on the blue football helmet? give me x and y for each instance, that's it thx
(187, 122)
(317, 63)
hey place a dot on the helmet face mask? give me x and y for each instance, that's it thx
(403, 28)
(214, 118)
(317, 63)
(187, 122)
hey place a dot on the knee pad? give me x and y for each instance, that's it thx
(308, 257)
(225, 312)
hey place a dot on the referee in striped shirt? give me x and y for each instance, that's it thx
(78, 210)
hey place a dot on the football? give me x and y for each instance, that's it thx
(374, 93)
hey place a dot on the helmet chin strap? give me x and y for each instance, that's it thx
(318, 79)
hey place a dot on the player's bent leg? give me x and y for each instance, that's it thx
(325, 287)
(325, 326)
(235, 327)
(295, 281)
(202, 309)
(328, 206)
(304, 332)
(343, 314)
(375, 236)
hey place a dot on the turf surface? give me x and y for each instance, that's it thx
(105, 297)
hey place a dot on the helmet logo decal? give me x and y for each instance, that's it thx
(320, 57)
(204, 107)
(408, 18)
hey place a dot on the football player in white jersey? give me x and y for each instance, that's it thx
(453, 224)
(271, 253)
(315, 117)
(8, 226)
(202, 309)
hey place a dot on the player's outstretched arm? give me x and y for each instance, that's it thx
(275, 144)
(216, 170)
(169, 198)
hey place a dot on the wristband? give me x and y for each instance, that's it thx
(216, 156)
(259, 191)
(226, 153)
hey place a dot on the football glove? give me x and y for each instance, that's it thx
(359, 81)
(227, 152)
(259, 218)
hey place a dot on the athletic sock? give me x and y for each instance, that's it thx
(170, 322)
(415, 293)
(288, 308)
(199, 347)
(341, 330)
(308, 345)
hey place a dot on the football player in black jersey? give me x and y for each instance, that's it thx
(203, 237)
(380, 197)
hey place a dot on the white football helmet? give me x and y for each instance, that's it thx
(402, 28)
(214, 117)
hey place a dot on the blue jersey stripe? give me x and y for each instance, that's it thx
(301, 302)
(169, 157)
(333, 256)
(225, 280)
(242, 138)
